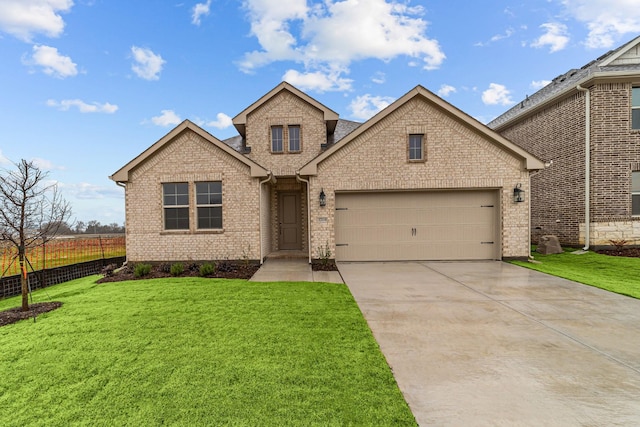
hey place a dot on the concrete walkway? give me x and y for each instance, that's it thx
(293, 270)
(492, 344)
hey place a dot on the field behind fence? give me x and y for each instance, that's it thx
(61, 251)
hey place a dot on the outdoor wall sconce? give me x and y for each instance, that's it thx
(518, 194)
(323, 198)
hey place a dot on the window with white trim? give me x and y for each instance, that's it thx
(416, 147)
(635, 108)
(175, 201)
(276, 139)
(209, 204)
(294, 137)
(635, 193)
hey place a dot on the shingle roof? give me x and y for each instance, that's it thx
(567, 82)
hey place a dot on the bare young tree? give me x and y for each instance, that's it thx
(31, 211)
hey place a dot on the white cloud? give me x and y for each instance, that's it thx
(25, 18)
(379, 78)
(147, 65)
(539, 84)
(365, 106)
(320, 81)
(167, 118)
(508, 33)
(555, 37)
(4, 160)
(222, 121)
(497, 94)
(200, 10)
(331, 35)
(83, 107)
(87, 191)
(52, 62)
(446, 90)
(607, 20)
(44, 164)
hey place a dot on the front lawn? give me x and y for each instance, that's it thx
(615, 274)
(194, 351)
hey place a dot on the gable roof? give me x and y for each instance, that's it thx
(122, 175)
(620, 63)
(531, 162)
(330, 116)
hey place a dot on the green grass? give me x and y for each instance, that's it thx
(194, 351)
(615, 274)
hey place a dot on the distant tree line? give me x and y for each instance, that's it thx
(90, 227)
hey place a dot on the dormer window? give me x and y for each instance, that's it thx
(276, 139)
(294, 137)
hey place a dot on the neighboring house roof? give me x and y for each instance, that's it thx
(330, 116)
(122, 175)
(531, 162)
(617, 63)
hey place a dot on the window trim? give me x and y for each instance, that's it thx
(423, 157)
(207, 205)
(271, 129)
(166, 207)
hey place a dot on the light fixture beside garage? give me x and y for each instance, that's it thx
(518, 194)
(323, 198)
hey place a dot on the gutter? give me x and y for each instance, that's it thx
(300, 179)
(268, 178)
(587, 167)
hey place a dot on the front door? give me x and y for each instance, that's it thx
(289, 221)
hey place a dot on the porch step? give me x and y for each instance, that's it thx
(288, 255)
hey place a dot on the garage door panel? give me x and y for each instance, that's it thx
(417, 226)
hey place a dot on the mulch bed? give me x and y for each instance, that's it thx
(323, 266)
(13, 315)
(224, 270)
(628, 252)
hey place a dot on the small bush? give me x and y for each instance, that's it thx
(165, 267)
(141, 270)
(207, 269)
(177, 269)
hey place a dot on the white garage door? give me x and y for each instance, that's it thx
(437, 225)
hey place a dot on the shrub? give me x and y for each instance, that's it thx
(141, 270)
(324, 253)
(207, 269)
(165, 267)
(177, 269)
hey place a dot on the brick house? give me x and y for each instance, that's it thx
(420, 180)
(586, 125)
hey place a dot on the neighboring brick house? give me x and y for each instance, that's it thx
(421, 180)
(597, 106)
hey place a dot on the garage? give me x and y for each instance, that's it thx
(417, 225)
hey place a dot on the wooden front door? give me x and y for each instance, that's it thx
(289, 221)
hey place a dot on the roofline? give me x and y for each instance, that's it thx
(122, 174)
(240, 120)
(620, 51)
(590, 80)
(531, 162)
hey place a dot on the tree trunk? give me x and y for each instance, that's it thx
(23, 282)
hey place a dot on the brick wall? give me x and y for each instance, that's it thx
(190, 158)
(558, 133)
(457, 158)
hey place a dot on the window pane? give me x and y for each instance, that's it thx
(635, 181)
(176, 218)
(635, 118)
(294, 138)
(210, 217)
(635, 204)
(415, 147)
(276, 138)
(175, 193)
(209, 193)
(635, 97)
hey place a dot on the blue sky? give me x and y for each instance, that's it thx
(87, 85)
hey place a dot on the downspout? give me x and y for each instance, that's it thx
(300, 179)
(587, 167)
(267, 179)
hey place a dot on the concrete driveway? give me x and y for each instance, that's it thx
(492, 344)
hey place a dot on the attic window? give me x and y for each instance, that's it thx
(416, 148)
(635, 108)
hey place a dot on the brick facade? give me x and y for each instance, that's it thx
(459, 154)
(557, 133)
